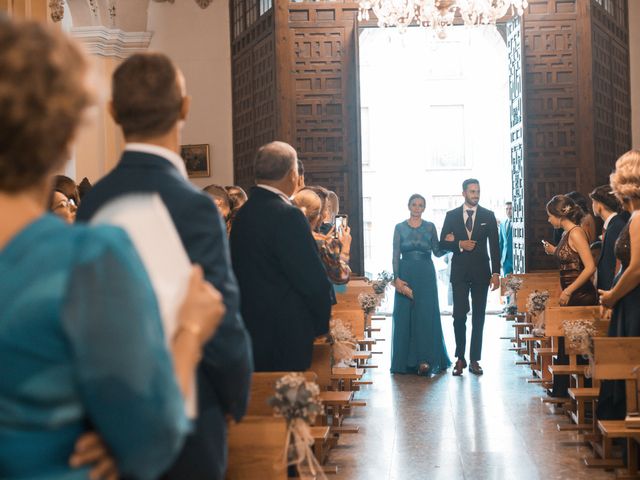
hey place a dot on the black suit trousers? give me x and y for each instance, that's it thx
(479, 292)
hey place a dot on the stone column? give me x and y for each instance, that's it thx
(110, 31)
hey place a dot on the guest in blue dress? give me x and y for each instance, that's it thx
(418, 344)
(82, 348)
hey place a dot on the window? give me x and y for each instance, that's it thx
(446, 137)
(367, 226)
(440, 205)
(364, 135)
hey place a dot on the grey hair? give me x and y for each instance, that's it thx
(274, 160)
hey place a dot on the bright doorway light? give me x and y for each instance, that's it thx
(433, 113)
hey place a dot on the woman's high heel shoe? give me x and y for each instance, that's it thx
(424, 369)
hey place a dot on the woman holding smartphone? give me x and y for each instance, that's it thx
(573, 253)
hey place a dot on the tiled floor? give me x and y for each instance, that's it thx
(480, 428)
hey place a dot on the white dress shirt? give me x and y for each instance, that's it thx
(171, 156)
(280, 193)
(608, 221)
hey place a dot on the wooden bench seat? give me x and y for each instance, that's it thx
(256, 446)
(584, 393)
(567, 369)
(550, 351)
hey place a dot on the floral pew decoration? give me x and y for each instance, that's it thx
(298, 402)
(536, 303)
(343, 343)
(578, 337)
(512, 286)
(381, 282)
(368, 302)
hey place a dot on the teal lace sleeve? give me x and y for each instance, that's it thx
(123, 368)
(435, 243)
(396, 252)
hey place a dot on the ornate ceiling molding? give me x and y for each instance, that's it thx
(112, 42)
(201, 3)
(56, 7)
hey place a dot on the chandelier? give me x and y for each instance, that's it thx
(438, 14)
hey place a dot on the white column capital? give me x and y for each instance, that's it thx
(111, 42)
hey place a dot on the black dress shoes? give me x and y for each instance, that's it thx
(475, 368)
(460, 365)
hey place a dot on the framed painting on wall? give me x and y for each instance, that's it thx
(196, 159)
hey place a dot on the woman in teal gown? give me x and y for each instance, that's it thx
(418, 344)
(82, 349)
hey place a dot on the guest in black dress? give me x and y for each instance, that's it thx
(576, 269)
(624, 297)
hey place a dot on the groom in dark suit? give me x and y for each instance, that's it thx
(150, 104)
(472, 228)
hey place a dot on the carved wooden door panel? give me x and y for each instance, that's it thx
(326, 132)
(516, 102)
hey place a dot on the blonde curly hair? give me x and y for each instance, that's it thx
(43, 93)
(625, 180)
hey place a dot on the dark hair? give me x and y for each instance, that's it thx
(562, 206)
(604, 195)
(219, 192)
(469, 181)
(67, 186)
(414, 196)
(508, 203)
(580, 200)
(43, 93)
(274, 160)
(300, 168)
(84, 187)
(146, 96)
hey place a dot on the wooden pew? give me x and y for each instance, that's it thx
(554, 318)
(256, 447)
(263, 386)
(580, 396)
(330, 380)
(616, 358)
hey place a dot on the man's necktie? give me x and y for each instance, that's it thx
(469, 223)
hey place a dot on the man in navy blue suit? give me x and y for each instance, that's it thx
(150, 104)
(473, 228)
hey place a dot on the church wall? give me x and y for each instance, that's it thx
(198, 41)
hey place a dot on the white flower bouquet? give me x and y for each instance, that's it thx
(368, 302)
(343, 343)
(298, 401)
(536, 303)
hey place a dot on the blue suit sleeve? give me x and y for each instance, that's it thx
(227, 359)
(447, 228)
(123, 368)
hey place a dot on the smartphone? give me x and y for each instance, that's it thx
(341, 222)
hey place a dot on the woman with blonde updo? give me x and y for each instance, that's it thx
(334, 250)
(624, 296)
